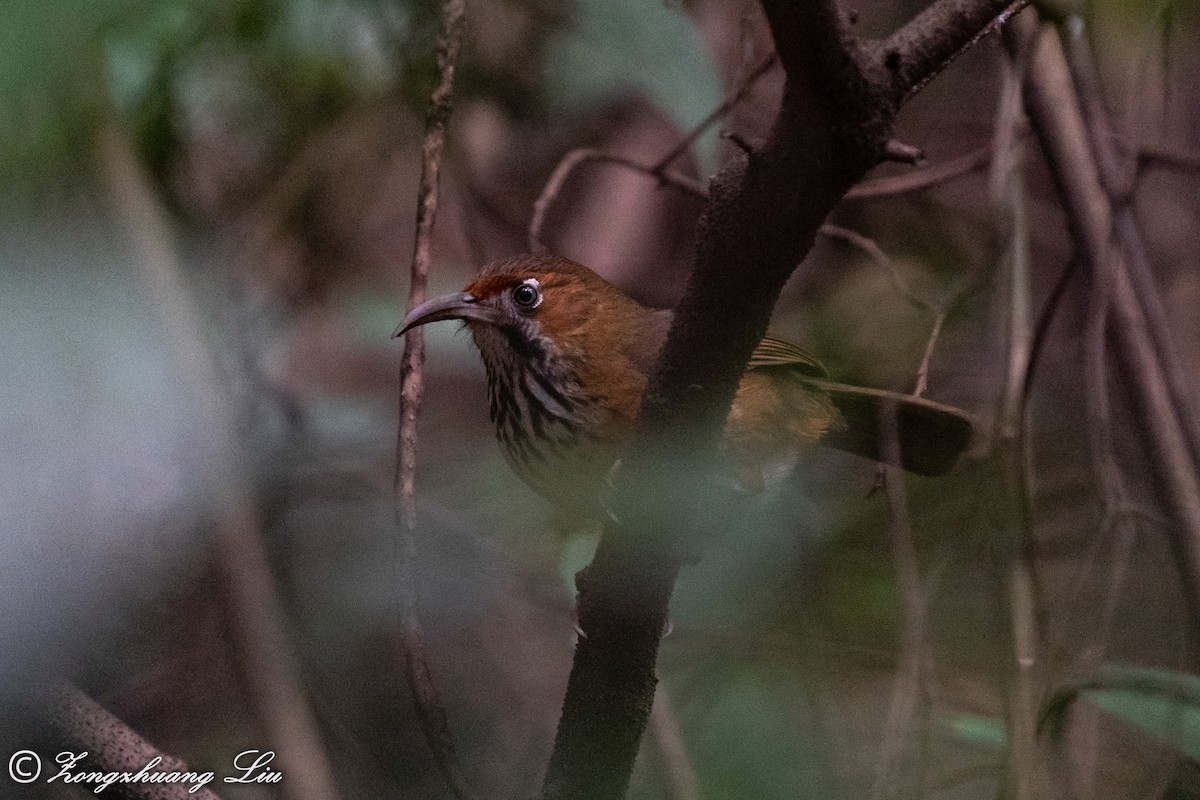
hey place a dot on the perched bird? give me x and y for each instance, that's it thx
(568, 355)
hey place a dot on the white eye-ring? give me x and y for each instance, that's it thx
(527, 294)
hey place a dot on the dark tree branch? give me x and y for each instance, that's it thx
(919, 51)
(765, 208)
(920, 178)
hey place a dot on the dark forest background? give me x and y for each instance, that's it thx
(206, 221)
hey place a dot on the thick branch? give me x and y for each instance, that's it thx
(81, 725)
(763, 213)
(928, 44)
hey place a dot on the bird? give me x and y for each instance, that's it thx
(568, 355)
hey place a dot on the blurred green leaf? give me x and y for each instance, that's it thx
(42, 40)
(619, 45)
(986, 733)
(1162, 703)
(575, 554)
(749, 735)
(43, 44)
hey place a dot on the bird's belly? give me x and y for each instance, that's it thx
(570, 471)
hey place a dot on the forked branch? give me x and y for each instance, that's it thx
(834, 123)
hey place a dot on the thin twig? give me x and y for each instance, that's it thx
(583, 155)
(1007, 188)
(1145, 109)
(922, 177)
(1057, 120)
(905, 721)
(678, 180)
(923, 369)
(760, 69)
(1041, 333)
(1118, 176)
(939, 311)
(1165, 157)
(872, 249)
(430, 708)
(259, 622)
(82, 725)
(1118, 183)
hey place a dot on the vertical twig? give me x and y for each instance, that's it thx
(1024, 774)
(430, 709)
(1054, 110)
(258, 619)
(905, 722)
(1117, 180)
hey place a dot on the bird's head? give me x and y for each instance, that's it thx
(541, 308)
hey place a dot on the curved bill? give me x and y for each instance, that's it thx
(462, 305)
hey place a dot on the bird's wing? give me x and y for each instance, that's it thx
(772, 352)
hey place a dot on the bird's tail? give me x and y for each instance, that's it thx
(931, 436)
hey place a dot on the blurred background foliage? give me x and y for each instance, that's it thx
(279, 141)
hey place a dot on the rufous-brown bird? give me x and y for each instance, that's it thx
(568, 355)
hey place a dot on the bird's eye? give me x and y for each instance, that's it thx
(527, 295)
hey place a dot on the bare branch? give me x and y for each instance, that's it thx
(916, 53)
(83, 725)
(1007, 189)
(834, 123)
(872, 249)
(760, 69)
(906, 708)
(582, 155)
(1119, 184)
(429, 706)
(921, 178)
(930, 345)
(1169, 158)
(1055, 113)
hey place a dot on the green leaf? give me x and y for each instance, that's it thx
(987, 733)
(1162, 703)
(621, 45)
